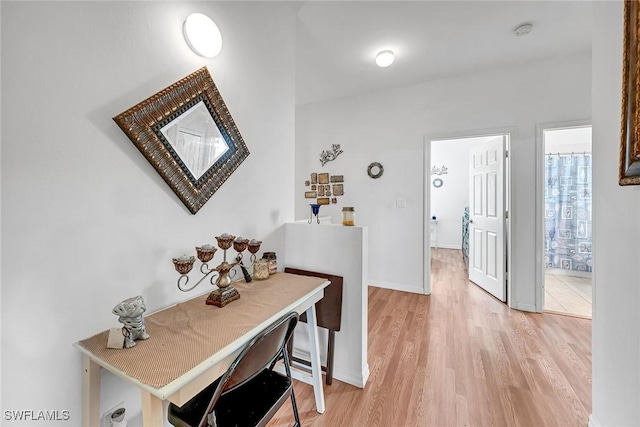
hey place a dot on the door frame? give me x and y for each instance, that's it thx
(539, 243)
(426, 208)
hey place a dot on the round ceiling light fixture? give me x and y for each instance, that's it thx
(385, 58)
(202, 35)
(523, 29)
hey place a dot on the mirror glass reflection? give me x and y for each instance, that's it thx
(196, 139)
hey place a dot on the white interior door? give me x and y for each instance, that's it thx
(487, 258)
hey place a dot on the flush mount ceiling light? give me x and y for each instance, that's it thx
(523, 29)
(385, 58)
(202, 35)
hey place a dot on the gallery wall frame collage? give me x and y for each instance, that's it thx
(324, 188)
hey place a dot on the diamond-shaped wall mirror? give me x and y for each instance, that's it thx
(187, 133)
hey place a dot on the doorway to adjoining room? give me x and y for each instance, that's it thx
(567, 239)
(468, 204)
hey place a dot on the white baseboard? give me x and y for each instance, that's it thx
(446, 247)
(397, 287)
(525, 307)
(561, 272)
(593, 422)
(357, 379)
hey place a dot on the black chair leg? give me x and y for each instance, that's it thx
(287, 367)
(296, 416)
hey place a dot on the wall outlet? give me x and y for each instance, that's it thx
(401, 202)
(105, 420)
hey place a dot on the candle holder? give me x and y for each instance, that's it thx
(315, 210)
(222, 275)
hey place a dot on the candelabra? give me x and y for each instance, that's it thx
(223, 274)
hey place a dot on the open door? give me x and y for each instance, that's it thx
(487, 255)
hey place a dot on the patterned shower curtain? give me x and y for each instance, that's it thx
(567, 197)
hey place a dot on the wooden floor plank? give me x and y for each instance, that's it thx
(460, 357)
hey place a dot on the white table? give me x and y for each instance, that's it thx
(193, 380)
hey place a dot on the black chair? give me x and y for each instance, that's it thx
(250, 392)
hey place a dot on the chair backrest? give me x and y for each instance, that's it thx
(261, 351)
(258, 354)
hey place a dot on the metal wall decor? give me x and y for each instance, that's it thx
(375, 170)
(439, 171)
(188, 135)
(437, 183)
(329, 155)
(629, 167)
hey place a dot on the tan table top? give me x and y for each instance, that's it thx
(185, 335)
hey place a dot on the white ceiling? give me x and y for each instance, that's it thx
(337, 40)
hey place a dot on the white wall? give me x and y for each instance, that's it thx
(616, 233)
(343, 251)
(567, 140)
(390, 127)
(86, 220)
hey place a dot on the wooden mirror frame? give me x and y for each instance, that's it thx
(629, 170)
(142, 124)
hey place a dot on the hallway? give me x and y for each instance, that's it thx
(460, 357)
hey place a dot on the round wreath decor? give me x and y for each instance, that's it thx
(372, 167)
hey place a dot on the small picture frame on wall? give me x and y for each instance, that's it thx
(310, 194)
(334, 200)
(314, 178)
(337, 178)
(321, 190)
(338, 190)
(323, 178)
(323, 201)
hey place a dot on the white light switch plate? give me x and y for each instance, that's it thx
(401, 202)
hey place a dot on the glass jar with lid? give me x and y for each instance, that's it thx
(272, 260)
(348, 216)
(261, 269)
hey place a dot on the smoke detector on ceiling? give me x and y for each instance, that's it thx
(523, 29)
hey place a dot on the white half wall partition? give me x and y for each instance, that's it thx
(341, 251)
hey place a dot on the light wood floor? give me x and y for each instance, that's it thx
(567, 295)
(460, 358)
